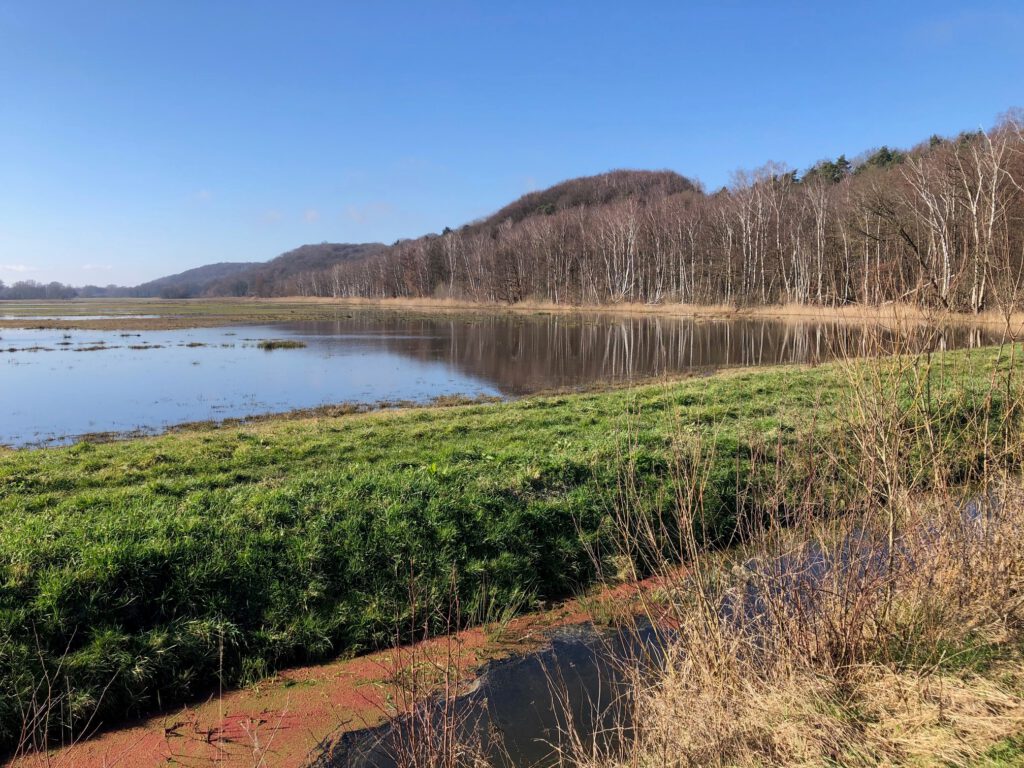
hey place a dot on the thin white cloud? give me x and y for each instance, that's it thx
(354, 176)
(413, 163)
(17, 268)
(204, 196)
(311, 215)
(363, 213)
(271, 216)
(969, 24)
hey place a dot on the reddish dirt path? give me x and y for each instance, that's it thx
(282, 721)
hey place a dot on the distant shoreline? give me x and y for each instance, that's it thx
(886, 313)
(207, 312)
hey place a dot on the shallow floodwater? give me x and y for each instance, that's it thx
(56, 385)
(29, 318)
(521, 711)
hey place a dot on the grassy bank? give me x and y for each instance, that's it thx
(133, 573)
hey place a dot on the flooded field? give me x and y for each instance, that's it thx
(58, 384)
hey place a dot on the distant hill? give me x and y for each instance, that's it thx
(313, 269)
(278, 276)
(591, 191)
(191, 282)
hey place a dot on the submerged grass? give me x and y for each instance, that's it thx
(270, 344)
(137, 573)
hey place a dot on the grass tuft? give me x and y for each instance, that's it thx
(269, 344)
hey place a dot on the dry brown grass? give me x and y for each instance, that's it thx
(864, 664)
(887, 314)
(193, 313)
(881, 718)
(874, 619)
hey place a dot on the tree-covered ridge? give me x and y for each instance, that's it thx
(591, 191)
(940, 224)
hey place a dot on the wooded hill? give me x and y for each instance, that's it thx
(192, 282)
(941, 224)
(272, 278)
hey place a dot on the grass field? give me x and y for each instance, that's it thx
(161, 314)
(150, 570)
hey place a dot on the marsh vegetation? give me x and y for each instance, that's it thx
(137, 572)
(270, 344)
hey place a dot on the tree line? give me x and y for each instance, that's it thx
(941, 224)
(31, 289)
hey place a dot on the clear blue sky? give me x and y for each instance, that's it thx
(143, 138)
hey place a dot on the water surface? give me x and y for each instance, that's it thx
(521, 711)
(57, 385)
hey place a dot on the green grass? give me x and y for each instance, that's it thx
(1008, 753)
(163, 564)
(271, 344)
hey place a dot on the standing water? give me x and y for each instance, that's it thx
(58, 385)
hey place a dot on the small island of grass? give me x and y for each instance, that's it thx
(269, 344)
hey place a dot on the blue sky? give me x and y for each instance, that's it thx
(142, 138)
